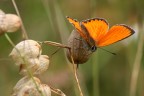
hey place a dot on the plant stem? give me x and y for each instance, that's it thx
(24, 34)
(75, 75)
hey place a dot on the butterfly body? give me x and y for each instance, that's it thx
(96, 32)
(90, 42)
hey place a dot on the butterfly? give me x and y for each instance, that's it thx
(96, 32)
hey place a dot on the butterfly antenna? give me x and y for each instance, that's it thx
(54, 52)
(108, 51)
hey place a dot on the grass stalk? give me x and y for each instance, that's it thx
(24, 33)
(137, 61)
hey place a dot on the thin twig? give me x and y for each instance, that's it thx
(56, 44)
(75, 74)
(9, 40)
(24, 34)
(57, 91)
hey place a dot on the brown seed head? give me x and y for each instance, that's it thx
(79, 48)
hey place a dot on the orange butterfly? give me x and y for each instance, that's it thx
(96, 32)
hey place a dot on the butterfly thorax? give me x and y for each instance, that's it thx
(88, 38)
(91, 44)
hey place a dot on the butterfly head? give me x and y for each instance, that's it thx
(91, 44)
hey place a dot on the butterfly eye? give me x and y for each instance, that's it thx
(93, 48)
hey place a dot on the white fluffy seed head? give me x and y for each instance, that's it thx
(25, 50)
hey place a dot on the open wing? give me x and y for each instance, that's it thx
(115, 34)
(77, 26)
(96, 28)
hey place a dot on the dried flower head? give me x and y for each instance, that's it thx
(27, 87)
(45, 89)
(43, 65)
(35, 66)
(9, 22)
(25, 50)
(2, 16)
(27, 55)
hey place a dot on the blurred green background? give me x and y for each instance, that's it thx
(104, 74)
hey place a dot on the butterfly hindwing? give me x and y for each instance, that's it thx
(115, 34)
(96, 27)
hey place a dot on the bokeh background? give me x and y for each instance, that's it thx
(104, 74)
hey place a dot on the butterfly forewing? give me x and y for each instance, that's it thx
(96, 28)
(76, 24)
(115, 34)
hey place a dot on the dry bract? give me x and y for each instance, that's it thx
(35, 66)
(30, 65)
(9, 22)
(27, 49)
(43, 65)
(2, 15)
(45, 89)
(27, 87)
(27, 55)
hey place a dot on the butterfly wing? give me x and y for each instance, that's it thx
(76, 24)
(115, 34)
(96, 28)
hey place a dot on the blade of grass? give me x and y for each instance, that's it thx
(95, 72)
(137, 61)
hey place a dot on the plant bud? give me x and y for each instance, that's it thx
(79, 49)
